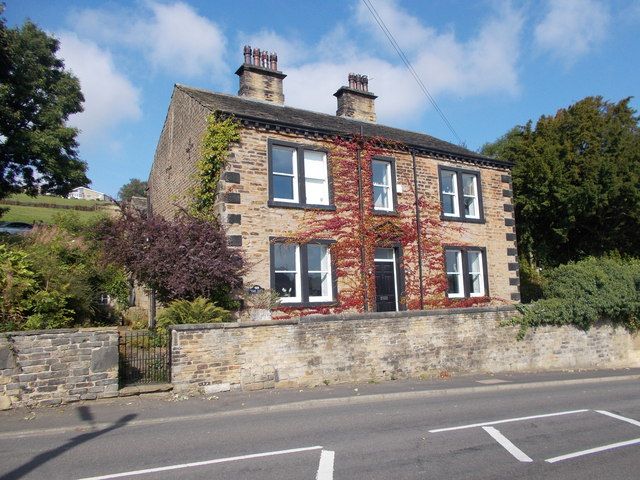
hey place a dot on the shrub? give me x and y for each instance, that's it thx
(184, 258)
(585, 292)
(199, 310)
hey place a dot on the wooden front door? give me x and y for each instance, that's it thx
(385, 287)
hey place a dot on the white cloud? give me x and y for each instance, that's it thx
(572, 28)
(172, 37)
(110, 97)
(484, 64)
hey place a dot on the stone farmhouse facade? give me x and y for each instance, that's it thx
(424, 223)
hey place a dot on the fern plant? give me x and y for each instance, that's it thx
(200, 310)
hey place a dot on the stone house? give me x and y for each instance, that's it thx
(340, 213)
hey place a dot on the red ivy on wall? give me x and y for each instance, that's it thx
(357, 230)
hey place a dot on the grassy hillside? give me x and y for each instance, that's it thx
(43, 208)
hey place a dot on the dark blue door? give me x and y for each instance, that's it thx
(385, 287)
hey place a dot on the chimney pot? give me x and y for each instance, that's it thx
(247, 54)
(273, 61)
(264, 59)
(256, 56)
(365, 83)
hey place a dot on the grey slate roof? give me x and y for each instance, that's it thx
(298, 119)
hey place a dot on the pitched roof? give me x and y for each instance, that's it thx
(305, 120)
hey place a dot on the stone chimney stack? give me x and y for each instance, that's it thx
(356, 101)
(259, 76)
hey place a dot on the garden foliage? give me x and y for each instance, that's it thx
(55, 277)
(199, 310)
(184, 258)
(585, 292)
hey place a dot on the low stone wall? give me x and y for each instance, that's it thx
(379, 346)
(49, 367)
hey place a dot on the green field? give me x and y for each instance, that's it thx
(37, 212)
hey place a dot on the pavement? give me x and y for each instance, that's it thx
(162, 407)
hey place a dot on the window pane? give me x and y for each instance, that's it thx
(453, 281)
(448, 182)
(284, 257)
(285, 284)
(316, 192)
(475, 280)
(449, 204)
(319, 285)
(381, 172)
(475, 264)
(316, 257)
(381, 197)
(315, 165)
(452, 261)
(282, 159)
(469, 184)
(470, 207)
(283, 187)
(384, 254)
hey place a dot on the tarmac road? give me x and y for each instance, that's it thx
(553, 426)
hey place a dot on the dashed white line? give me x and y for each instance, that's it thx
(507, 444)
(206, 462)
(593, 450)
(507, 420)
(620, 417)
(325, 468)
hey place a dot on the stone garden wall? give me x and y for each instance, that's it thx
(384, 346)
(50, 367)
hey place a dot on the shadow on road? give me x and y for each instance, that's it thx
(85, 414)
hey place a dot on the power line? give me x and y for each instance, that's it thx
(376, 16)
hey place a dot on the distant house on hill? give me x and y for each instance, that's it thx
(85, 193)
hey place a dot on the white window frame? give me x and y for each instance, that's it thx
(389, 186)
(298, 273)
(294, 175)
(325, 178)
(459, 273)
(454, 194)
(329, 278)
(479, 273)
(475, 197)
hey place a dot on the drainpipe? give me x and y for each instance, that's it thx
(418, 227)
(362, 236)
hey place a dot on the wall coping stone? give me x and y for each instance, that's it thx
(226, 325)
(344, 317)
(56, 331)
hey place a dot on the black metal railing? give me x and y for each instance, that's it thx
(145, 357)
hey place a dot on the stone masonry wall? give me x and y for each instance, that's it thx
(383, 346)
(49, 367)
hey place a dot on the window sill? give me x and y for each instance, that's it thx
(299, 206)
(462, 219)
(386, 213)
(332, 303)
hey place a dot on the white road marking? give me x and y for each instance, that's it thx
(206, 462)
(507, 444)
(620, 417)
(593, 450)
(507, 420)
(325, 468)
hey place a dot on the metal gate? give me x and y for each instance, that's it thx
(145, 357)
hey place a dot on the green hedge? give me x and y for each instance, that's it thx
(585, 292)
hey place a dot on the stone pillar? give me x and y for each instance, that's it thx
(356, 101)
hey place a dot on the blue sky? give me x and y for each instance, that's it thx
(490, 64)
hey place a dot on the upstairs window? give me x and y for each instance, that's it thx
(384, 188)
(297, 176)
(466, 272)
(460, 194)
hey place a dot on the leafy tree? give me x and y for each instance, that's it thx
(576, 181)
(135, 188)
(38, 152)
(181, 259)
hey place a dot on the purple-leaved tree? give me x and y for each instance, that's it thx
(184, 258)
